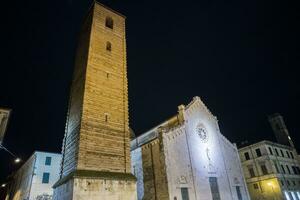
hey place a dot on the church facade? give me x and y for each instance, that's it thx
(187, 158)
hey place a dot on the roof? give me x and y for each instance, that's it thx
(266, 142)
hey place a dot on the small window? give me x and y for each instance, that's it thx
(251, 172)
(281, 153)
(298, 170)
(294, 169)
(106, 117)
(282, 182)
(48, 161)
(264, 169)
(109, 22)
(247, 157)
(294, 183)
(258, 152)
(46, 177)
(288, 182)
(276, 166)
(288, 168)
(283, 170)
(276, 151)
(255, 186)
(270, 150)
(108, 46)
(288, 154)
(292, 155)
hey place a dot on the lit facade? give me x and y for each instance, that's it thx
(34, 180)
(187, 158)
(96, 146)
(272, 171)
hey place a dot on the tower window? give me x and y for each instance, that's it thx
(292, 155)
(106, 117)
(109, 22)
(108, 46)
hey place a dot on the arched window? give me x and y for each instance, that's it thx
(108, 46)
(109, 22)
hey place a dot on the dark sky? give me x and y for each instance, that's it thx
(240, 57)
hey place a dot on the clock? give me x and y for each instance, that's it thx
(202, 133)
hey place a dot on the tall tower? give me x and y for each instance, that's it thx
(280, 130)
(96, 146)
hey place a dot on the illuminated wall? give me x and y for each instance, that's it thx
(267, 189)
(28, 182)
(181, 158)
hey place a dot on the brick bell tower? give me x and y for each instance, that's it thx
(96, 146)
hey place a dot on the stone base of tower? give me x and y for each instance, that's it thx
(91, 185)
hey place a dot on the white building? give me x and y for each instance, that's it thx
(187, 158)
(34, 180)
(272, 171)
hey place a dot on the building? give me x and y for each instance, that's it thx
(187, 158)
(280, 130)
(272, 171)
(96, 147)
(34, 180)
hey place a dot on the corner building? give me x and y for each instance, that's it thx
(272, 171)
(35, 178)
(96, 146)
(187, 158)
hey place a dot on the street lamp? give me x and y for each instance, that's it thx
(17, 160)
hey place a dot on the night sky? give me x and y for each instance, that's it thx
(240, 57)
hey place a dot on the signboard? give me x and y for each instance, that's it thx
(4, 116)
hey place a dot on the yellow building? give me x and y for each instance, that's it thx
(271, 170)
